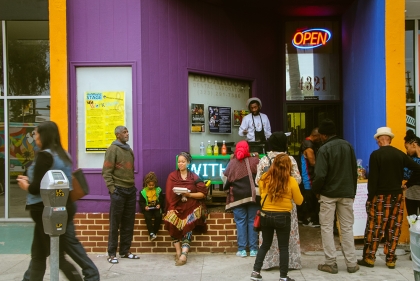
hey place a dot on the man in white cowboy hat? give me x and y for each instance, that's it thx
(255, 126)
(385, 204)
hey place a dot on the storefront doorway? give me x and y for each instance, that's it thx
(302, 118)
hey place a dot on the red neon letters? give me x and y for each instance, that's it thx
(311, 38)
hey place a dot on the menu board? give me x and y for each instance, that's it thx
(220, 120)
(359, 208)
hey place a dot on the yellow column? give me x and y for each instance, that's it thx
(395, 80)
(58, 67)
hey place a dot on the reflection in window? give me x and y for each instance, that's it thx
(312, 73)
(303, 118)
(409, 61)
(24, 116)
(28, 58)
(29, 110)
(411, 118)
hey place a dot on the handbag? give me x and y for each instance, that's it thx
(80, 185)
(257, 220)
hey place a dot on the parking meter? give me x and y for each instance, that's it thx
(54, 193)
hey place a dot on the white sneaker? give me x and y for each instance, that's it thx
(152, 236)
(311, 224)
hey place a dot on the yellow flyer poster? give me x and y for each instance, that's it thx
(104, 112)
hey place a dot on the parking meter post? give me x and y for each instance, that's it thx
(54, 193)
(54, 258)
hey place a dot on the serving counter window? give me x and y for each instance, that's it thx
(216, 105)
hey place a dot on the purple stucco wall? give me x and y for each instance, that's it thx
(166, 39)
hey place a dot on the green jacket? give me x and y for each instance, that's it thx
(144, 201)
(118, 169)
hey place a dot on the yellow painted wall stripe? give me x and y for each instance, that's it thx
(58, 67)
(395, 69)
(395, 80)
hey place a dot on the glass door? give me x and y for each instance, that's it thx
(303, 118)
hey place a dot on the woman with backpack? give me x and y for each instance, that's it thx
(277, 143)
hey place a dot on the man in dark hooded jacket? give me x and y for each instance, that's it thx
(336, 184)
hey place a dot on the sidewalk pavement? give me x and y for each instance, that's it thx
(220, 267)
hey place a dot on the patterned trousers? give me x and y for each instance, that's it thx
(385, 216)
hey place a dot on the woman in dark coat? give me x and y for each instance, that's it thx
(185, 211)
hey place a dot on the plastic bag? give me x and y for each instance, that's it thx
(361, 172)
(414, 222)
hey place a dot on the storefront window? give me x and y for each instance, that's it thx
(26, 69)
(409, 62)
(24, 116)
(312, 60)
(1, 61)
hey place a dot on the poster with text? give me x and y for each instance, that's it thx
(197, 118)
(104, 111)
(238, 115)
(220, 120)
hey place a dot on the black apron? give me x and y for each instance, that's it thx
(259, 135)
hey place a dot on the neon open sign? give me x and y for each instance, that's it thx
(311, 38)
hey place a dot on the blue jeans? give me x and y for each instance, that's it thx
(244, 216)
(121, 217)
(279, 221)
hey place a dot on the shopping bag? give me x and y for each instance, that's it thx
(257, 221)
(80, 185)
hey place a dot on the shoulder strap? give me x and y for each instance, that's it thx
(269, 159)
(262, 205)
(250, 179)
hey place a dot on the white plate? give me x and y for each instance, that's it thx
(180, 190)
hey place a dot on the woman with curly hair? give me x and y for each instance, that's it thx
(277, 188)
(412, 195)
(151, 203)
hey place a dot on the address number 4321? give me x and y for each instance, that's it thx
(313, 83)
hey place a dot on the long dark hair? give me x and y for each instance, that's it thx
(278, 175)
(50, 139)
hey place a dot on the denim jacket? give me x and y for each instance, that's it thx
(58, 164)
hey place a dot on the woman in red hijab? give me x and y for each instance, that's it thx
(241, 197)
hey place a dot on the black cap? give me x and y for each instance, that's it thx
(278, 142)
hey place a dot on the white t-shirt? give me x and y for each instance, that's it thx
(248, 124)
